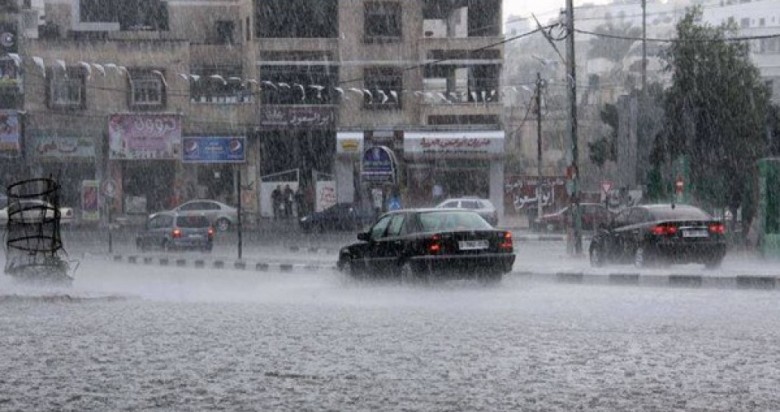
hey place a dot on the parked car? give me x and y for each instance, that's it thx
(438, 242)
(221, 216)
(171, 231)
(659, 234)
(341, 216)
(591, 215)
(35, 210)
(482, 206)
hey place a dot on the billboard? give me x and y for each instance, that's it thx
(378, 165)
(144, 136)
(90, 210)
(56, 148)
(214, 149)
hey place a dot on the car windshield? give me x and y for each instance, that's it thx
(192, 221)
(679, 213)
(442, 221)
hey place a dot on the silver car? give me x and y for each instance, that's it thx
(219, 214)
(482, 206)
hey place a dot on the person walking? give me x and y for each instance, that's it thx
(288, 201)
(276, 201)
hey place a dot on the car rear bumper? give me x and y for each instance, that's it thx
(465, 264)
(191, 243)
(691, 252)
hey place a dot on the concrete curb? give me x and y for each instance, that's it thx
(690, 281)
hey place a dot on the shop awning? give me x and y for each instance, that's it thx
(454, 145)
(349, 144)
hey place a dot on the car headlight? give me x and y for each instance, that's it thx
(304, 219)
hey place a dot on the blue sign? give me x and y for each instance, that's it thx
(378, 165)
(214, 149)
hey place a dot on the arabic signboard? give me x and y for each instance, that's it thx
(10, 134)
(214, 149)
(309, 117)
(46, 147)
(144, 136)
(488, 144)
(525, 192)
(378, 165)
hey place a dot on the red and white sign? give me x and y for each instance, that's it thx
(606, 186)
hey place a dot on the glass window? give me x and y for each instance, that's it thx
(225, 87)
(378, 230)
(470, 204)
(679, 212)
(636, 216)
(443, 221)
(147, 89)
(453, 203)
(396, 225)
(382, 23)
(384, 85)
(67, 88)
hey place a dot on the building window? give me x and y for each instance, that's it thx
(296, 19)
(67, 88)
(761, 22)
(744, 23)
(147, 89)
(223, 31)
(384, 85)
(130, 14)
(219, 84)
(382, 22)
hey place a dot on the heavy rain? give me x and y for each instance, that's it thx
(393, 205)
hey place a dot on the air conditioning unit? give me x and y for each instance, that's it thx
(28, 23)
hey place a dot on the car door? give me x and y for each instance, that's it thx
(149, 235)
(630, 232)
(617, 235)
(373, 257)
(162, 229)
(391, 246)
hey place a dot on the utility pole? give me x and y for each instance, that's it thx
(539, 85)
(644, 46)
(574, 168)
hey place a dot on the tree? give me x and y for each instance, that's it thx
(604, 148)
(611, 48)
(716, 111)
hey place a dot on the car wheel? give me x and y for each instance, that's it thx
(223, 224)
(348, 268)
(640, 257)
(597, 258)
(713, 263)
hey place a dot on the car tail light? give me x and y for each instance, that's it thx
(434, 245)
(506, 241)
(664, 230)
(718, 228)
(176, 233)
(211, 232)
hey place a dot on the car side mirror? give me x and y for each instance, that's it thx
(364, 236)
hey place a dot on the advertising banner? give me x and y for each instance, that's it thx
(469, 145)
(90, 210)
(144, 136)
(326, 195)
(313, 117)
(214, 149)
(10, 134)
(55, 147)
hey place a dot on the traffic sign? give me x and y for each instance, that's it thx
(606, 186)
(108, 187)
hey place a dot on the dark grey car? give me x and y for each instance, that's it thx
(170, 231)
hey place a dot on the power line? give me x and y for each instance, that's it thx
(677, 40)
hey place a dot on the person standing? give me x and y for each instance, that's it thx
(288, 201)
(276, 201)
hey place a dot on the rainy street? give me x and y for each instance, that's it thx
(130, 337)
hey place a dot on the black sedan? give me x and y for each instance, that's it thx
(341, 216)
(428, 243)
(660, 233)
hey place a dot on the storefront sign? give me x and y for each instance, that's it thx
(378, 165)
(349, 144)
(311, 117)
(214, 149)
(90, 210)
(10, 134)
(488, 144)
(55, 147)
(147, 136)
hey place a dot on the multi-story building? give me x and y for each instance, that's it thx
(131, 91)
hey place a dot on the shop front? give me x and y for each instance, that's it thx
(70, 160)
(144, 154)
(442, 164)
(349, 148)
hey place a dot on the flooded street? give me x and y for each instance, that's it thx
(132, 338)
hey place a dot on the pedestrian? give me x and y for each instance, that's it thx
(437, 192)
(299, 206)
(288, 201)
(276, 201)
